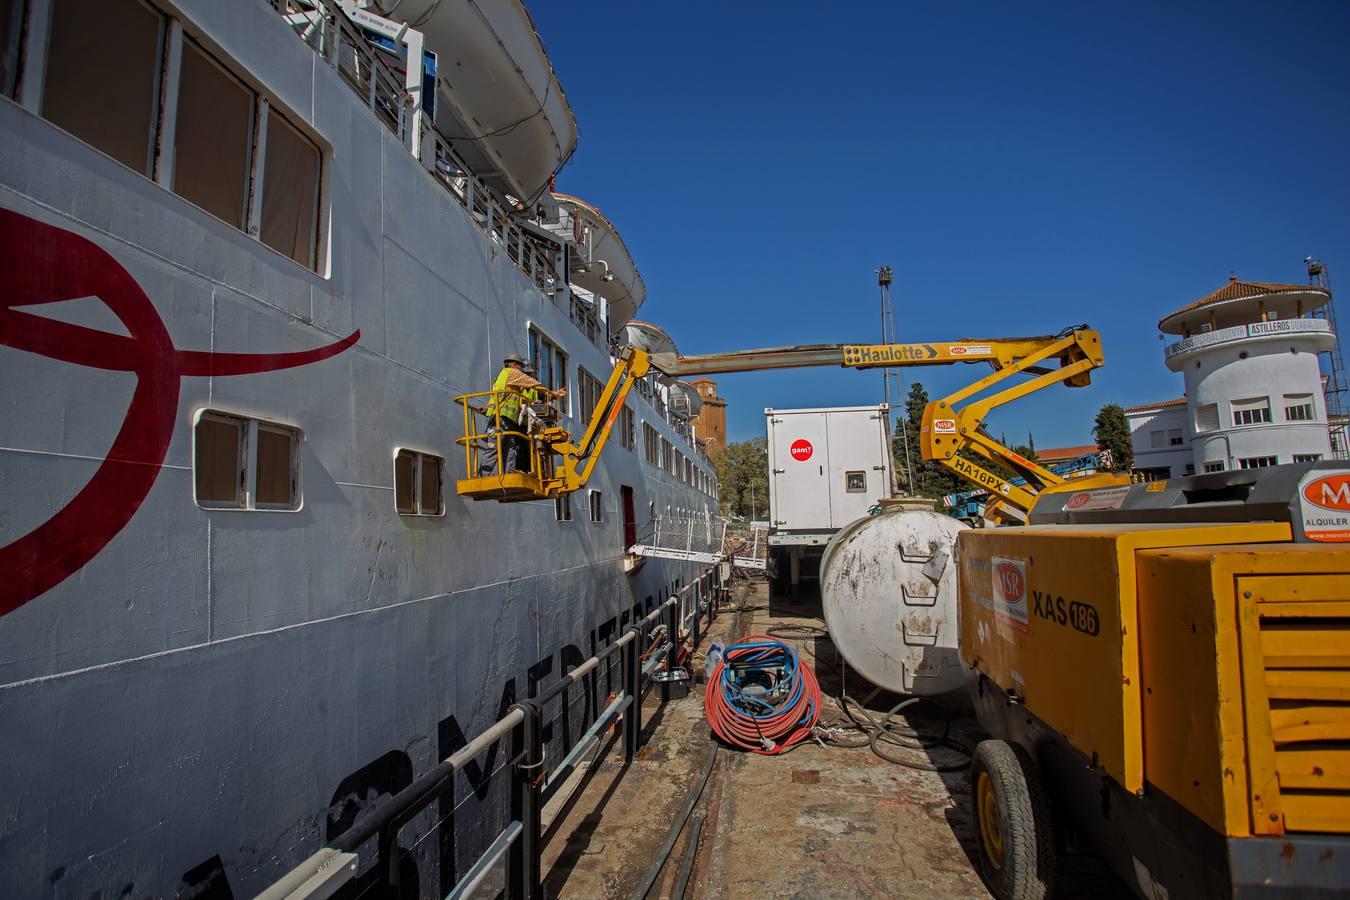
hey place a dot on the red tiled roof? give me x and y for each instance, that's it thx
(1180, 401)
(1056, 454)
(1241, 290)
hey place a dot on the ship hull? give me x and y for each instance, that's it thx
(197, 699)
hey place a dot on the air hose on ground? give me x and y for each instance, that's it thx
(862, 728)
(761, 698)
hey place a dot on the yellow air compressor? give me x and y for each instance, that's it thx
(1164, 670)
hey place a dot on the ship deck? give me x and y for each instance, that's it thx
(816, 822)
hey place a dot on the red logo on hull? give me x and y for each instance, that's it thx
(40, 263)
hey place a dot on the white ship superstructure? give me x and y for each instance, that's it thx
(246, 268)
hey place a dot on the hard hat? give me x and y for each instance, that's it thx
(514, 357)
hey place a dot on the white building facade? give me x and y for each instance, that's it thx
(1249, 355)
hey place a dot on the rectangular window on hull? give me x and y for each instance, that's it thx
(109, 73)
(627, 428)
(102, 79)
(562, 508)
(290, 191)
(550, 365)
(651, 448)
(597, 501)
(1307, 457)
(588, 389)
(1257, 462)
(417, 483)
(213, 137)
(244, 463)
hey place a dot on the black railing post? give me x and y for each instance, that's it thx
(532, 836)
(696, 630)
(517, 866)
(632, 686)
(673, 634)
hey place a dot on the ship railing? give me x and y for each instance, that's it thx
(690, 538)
(487, 436)
(648, 648)
(325, 27)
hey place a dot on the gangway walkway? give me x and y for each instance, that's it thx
(705, 539)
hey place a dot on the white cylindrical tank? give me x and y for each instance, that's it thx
(888, 586)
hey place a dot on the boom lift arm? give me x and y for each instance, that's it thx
(951, 432)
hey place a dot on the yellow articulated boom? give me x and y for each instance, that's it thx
(952, 431)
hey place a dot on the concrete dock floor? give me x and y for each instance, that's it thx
(818, 822)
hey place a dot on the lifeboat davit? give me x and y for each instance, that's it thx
(498, 100)
(601, 262)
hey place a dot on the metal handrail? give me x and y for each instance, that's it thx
(655, 637)
(473, 439)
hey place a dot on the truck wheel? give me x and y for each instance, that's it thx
(1017, 846)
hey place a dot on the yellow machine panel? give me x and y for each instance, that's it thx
(1049, 614)
(1246, 674)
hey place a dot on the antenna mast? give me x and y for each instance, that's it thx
(1335, 388)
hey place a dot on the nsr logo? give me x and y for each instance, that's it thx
(1073, 613)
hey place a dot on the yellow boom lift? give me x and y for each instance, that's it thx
(952, 433)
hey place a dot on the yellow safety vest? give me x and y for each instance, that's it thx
(507, 403)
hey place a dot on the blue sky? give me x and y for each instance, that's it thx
(1022, 166)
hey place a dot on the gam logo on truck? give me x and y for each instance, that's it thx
(1329, 492)
(801, 450)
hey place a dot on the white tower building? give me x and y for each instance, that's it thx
(1249, 355)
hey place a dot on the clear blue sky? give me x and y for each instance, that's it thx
(1022, 166)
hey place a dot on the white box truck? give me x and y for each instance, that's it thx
(827, 467)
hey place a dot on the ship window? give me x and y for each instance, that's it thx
(627, 428)
(213, 137)
(550, 364)
(676, 467)
(11, 12)
(651, 447)
(290, 191)
(243, 463)
(417, 483)
(219, 460)
(102, 79)
(562, 508)
(589, 388)
(597, 500)
(667, 463)
(855, 482)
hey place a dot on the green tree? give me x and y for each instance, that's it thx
(743, 476)
(930, 479)
(1112, 432)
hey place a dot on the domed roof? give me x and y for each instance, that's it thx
(1237, 302)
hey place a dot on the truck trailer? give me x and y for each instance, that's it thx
(827, 467)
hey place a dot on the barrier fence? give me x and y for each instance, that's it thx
(647, 645)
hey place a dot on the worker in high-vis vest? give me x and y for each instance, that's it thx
(505, 415)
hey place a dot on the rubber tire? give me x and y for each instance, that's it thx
(1030, 854)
